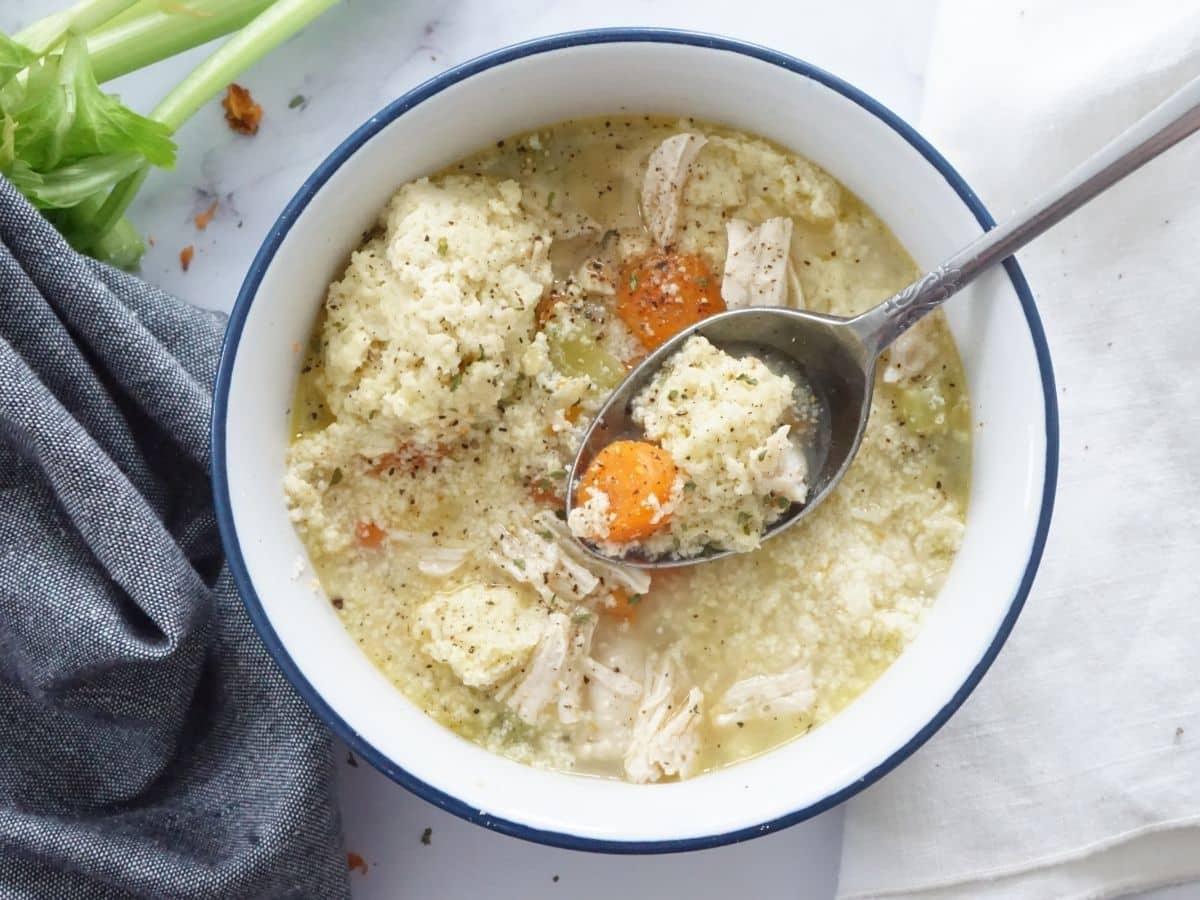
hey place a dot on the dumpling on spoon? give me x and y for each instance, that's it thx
(721, 458)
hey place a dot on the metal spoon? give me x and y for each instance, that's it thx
(837, 356)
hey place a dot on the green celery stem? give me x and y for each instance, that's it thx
(132, 44)
(46, 33)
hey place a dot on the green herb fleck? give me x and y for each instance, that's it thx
(545, 484)
(520, 564)
(550, 199)
(762, 454)
(545, 535)
(443, 246)
(744, 518)
(635, 599)
(298, 100)
(783, 502)
(336, 476)
(633, 282)
(455, 381)
(581, 616)
(746, 378)
(673, 395)
(559, 473)
(689, 486)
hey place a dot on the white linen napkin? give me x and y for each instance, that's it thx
(1074, 770)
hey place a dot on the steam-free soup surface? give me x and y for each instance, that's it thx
(450, 377)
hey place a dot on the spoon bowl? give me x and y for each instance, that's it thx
(828, 354)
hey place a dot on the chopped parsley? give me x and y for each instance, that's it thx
(673, 395)
(633, 281)
(746, 378)
(550, 199)
(455, 381)
(336, 476)
(298, 100)
(520, 564)
(689, 486)
(443, 246)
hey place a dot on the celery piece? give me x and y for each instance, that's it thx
(579, 353)
(130, 44)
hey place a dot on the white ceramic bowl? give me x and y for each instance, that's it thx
(871, 151)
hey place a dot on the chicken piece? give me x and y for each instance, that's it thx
(780, 468)
(757, 262)
(666, 738)
(631, 578)
(437, 560)
(484, 633)
(762, 696)
(612, 705)
(910, 354)
(662, 190)
(555, 672)
(544, 564)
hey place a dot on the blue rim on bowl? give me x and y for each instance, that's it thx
(314, 183)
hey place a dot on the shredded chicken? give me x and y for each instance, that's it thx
(666, 735)
(780, 468)
(757, 262)
(437, 560)
(633, 579)
(666, 173)
(789, 692)
(544, 564)
(555, 672)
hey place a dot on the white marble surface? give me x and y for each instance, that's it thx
(363, 54)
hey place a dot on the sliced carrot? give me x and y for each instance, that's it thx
(663, 292)
(369, 535)
(630, 473)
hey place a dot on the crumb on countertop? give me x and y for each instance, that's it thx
(202, 219)
(241, 112)
(354, 862)
(427, 836)
(185, 256)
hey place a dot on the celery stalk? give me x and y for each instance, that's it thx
(81, 18)
(122, 47)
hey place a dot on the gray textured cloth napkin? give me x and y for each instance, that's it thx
(149, 747)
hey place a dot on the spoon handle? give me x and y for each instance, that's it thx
(1163, 127)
